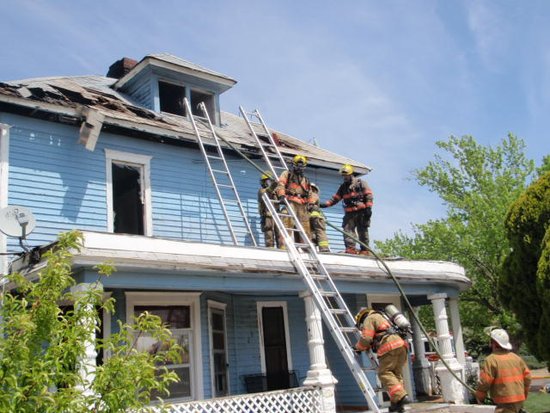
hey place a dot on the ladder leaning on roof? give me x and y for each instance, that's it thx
(265, 141)
(328, 300)
(222, 179)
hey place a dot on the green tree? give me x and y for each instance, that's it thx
(525, 286)
(477, 184)
(43, 348)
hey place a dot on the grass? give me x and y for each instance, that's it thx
(538, 403)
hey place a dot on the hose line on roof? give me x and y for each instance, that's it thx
(387, 270)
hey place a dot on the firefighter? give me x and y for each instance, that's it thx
(504, 375)
(295, 187)
(317, 221)
(378, 334)
(357, 202)
(271, 232)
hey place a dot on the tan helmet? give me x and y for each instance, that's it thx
(501, 337)
(299, 159)
(363, 312)
(346, 169)
(314, 187)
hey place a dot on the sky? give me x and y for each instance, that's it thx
(377, 81)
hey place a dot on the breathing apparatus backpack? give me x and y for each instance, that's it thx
(399, 323)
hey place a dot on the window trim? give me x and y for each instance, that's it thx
(154, 298)
(265, 304)
(216, 305)
(144, 163)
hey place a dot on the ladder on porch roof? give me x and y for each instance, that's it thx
(305, 259)
(230, 203)
(326, 296)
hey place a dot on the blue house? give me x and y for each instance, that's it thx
(117, 158)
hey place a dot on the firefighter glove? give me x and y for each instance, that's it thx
(282, 199)
(323, 205)
(368, 212)
(356, 350)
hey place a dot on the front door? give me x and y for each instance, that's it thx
(275, 346)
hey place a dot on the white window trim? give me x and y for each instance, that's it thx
(191, 299)
(4, 172)
(221, 307)
(259, 306)
(142, 161)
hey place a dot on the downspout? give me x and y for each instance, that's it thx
(4, 166)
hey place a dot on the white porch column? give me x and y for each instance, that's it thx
(421, 366)
(318, 374)
(451, 387)
(457, 330)
(87, 365)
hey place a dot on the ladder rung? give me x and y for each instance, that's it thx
(338, 311)
(348, 330)
(328, 293)
(220, 171)
(219, 158)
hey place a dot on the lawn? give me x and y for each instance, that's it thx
(538, 403)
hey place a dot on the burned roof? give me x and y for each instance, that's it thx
(66, 99)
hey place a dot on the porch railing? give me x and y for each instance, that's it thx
(297, 400)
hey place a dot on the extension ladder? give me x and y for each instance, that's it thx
(265, 141)
(231, 204)
(328, 300)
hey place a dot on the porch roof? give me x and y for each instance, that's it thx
(254, 267)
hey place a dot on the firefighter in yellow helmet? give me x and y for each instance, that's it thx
(357, 200)
(377, 334)
(272, 236)
(504, 375)
(294, 186)
(317, 221)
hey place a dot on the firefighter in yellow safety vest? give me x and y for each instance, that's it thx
(317, 221)
(272, 236)
(504, 375)
(377, 333)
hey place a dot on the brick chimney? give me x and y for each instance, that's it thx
(119, 68)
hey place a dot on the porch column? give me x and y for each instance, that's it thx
(457, 331)
(451, 387)
(421, 366)
(318, 374)
(87, 365)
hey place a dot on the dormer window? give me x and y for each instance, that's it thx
(171, 98)
(208, 99)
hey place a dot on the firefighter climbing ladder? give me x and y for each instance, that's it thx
(265, 141)
(328, 300)
(226, 191)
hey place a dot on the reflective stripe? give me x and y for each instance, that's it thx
(367, 333)
(389, 346)
(394, 389)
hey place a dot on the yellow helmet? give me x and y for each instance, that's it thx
(346, 169)
(266, 175)
(360, 316)
(299, 159)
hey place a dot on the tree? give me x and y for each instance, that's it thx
(525, 286)
(44, 347)
(477, 184)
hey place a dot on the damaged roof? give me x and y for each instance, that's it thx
(67, 100)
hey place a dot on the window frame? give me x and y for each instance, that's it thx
(143, 162)
(220, 307)
(152, 298)
(264, 304)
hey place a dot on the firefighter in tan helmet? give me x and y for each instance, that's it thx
(272, 237)
(317, 221)
(357, 200)
(378, 334)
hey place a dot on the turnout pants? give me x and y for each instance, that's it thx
(271, 232)
(356, 223)
(390, 373)
(303, 216)
(319, 232)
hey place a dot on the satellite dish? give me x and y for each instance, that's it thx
(16, 221)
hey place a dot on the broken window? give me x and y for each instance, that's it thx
(208, 100)
(171, 98)
(127, 199)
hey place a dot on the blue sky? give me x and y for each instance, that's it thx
(378, 81)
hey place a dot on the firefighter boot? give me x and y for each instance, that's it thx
(351, 250)
(400, 405)
(364, 252)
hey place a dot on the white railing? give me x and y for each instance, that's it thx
(297, 400)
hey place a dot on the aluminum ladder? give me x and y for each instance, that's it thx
(231, 204)
(264, 140)
(328, 300)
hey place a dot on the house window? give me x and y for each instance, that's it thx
(171, 98)
(218, 349)
(128, 193)
(178, 311)
(208, 100)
